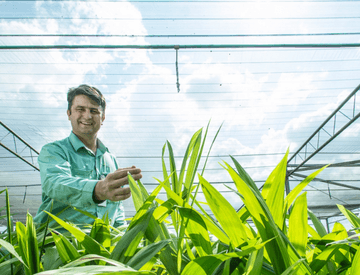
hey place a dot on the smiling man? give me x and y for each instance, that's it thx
(79, 171)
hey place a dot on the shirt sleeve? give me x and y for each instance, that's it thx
(57, 181)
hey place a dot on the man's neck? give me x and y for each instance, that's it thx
(89, 141)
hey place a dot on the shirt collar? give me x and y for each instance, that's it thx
(77, 143)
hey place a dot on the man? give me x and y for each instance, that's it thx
(79, 171)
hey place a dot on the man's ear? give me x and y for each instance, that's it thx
(68, 113)
(103, 117)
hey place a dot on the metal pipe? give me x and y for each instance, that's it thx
(329, 182)
(193, 46)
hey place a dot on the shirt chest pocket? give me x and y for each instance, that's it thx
(81, 173)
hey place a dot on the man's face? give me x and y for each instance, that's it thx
(86, 116)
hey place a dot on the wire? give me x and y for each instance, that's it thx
(181, 35)
(180, 19)
(183, 74)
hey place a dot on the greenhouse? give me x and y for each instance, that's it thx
(241, 115)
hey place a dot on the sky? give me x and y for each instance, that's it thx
(268, 99)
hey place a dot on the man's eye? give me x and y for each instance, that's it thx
(80, 109)
(94, 111)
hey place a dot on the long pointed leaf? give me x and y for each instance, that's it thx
(230, 222)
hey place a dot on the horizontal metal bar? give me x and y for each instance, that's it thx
(328, 181)
(199, 46)
(180, 35)
(306, 167)
(20, 157)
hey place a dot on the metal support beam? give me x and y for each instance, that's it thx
(193, 46)
(33, 152)
(328, 181)
(307, 167)
(317, 132)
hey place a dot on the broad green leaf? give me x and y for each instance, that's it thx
(298, 225)
(293, 269)
(274, 189)
(192, 148)
(320, 229)
(128, 244)
(96, 269)
(92, 257)
(230, 222)
(296, 191)
(66, 250)
(175, 184)
(353, 219)
(197, 231)
(9, 247)
(355, 267)
(91, 246)
(325, 256)
(146, 254)
(254, 263)
(21, 238)
(135, 193)
(244, 175)
(262, 218)
(100, 232)
(192, 167)
(32, 245)
(207, 264)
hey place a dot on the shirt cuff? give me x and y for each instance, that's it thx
(94, 198)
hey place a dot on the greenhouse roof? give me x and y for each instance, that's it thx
(275, 74)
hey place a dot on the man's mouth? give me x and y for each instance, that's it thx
(86, 123)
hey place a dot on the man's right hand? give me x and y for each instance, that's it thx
(112, 187)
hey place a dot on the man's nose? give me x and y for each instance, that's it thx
(88, 114)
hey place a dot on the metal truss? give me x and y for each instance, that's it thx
(24, 145)
(303, 151)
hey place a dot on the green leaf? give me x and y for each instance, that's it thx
(91, 246)
(197, 231)
(66, 250)
(9, 247)
(135, 193)
(355, 267)
(353, 219)
(298, 225)
(320, 229)
(129, 242)
(230, 222)
(32, 245)
(146, 254)
(325, 256)
(96, 269)
(262, 218)
(207, 264)
(175, 184)
(100, 232)
(274, 189)
(298, 188)
(293, 269)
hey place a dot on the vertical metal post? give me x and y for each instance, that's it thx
(287, 185)
(327, 225)
(176, 47)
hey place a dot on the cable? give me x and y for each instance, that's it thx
(180, 19)
(180, 35)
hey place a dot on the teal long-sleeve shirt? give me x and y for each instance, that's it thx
(69, 172)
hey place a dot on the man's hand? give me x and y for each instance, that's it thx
(112, 187)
